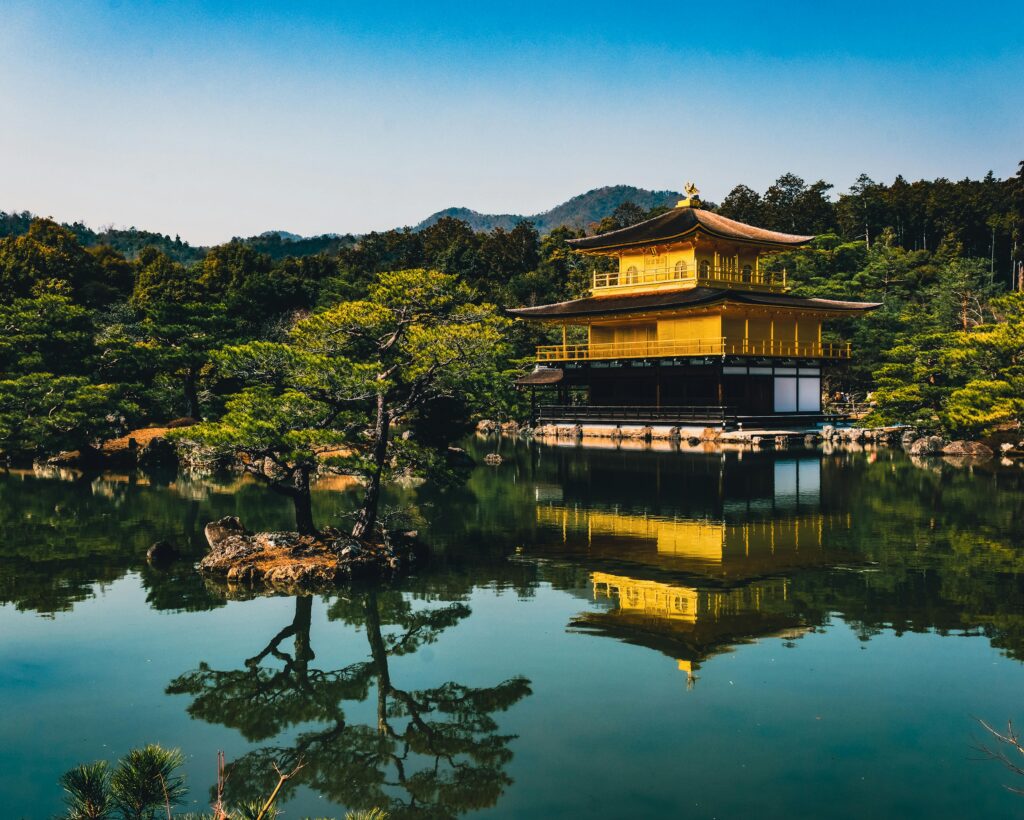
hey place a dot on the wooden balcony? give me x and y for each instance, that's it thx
(662, 348)
(636, 279)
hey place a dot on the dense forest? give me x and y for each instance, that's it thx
(105, 330)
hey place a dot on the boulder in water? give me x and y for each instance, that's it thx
(162, 552)
(157, 452)
(927, 446)
(975, 449)
(223, 528)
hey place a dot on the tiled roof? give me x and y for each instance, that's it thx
(694, 297)
(679, 222)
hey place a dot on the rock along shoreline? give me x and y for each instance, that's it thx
(286, 561)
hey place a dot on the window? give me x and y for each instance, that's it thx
(785, 394)
(705, 269)
(632, 275)
(680, 269)
(747, 271)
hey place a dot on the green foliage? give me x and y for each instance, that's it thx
(981, 405)
(88, 792)
(164, 345)
(146, 780)
(161, 280)
(47, 333)
(41, 413)
(368, 814)
(47, 258)
(349, 374)
(966, 382)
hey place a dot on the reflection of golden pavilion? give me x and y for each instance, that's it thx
(690, 623)
(692, 555)
(678, 603)
(700, 541)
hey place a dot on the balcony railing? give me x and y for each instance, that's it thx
(709, 276)
(660, 348)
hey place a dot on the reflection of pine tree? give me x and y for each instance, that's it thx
(432, 753)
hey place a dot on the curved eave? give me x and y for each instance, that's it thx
(541, 376)
(644, 234)
(593, 307)
(761, 243)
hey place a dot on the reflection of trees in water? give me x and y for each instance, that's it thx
(64, 532)
(944, 549)
(936, 549)
(915, 551)
(61, 538)
(431, 753)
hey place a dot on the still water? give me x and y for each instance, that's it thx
(602, 633)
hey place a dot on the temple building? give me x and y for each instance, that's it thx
(689, 327)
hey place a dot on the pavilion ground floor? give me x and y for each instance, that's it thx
(713, 390)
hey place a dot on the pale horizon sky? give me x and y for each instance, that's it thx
(218, 119)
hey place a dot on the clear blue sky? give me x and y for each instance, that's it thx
(213, 119)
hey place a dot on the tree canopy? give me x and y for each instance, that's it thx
(334, 391)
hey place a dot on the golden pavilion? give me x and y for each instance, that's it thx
(690, 327)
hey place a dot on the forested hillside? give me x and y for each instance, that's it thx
(577, 213)
(107, 330)
(130, 242)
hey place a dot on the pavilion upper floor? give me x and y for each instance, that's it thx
(688, 247)
(683, 265)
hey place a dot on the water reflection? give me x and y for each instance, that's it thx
(688, 623)
(434, 752)
(694, 554)
(690, 555)
(64, 533)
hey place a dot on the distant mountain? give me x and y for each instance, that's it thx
(577, 212)
(279, 244)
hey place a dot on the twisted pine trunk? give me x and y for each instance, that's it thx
(303, 501)
(366, 519)
(192, 394)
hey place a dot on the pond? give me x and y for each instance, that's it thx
(601, 633)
